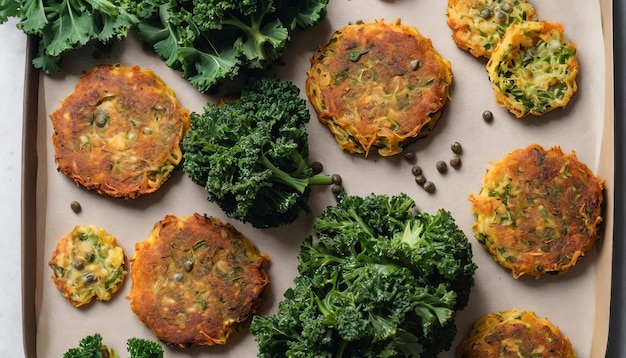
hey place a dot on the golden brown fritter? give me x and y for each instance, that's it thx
(119, 132)
(88, 263)
(512, 334)
(195, 279)
(378, 85)
(478, 25)
(533, 69)
(538, 211)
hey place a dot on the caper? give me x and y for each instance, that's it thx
(409, 156)
(336, 189)
(415, 65)
(317, 167)
(456, 148)
(336, 178)
(188, 265)
(442, 167)
(90, 256)
(486, 13)
(101, 118)
(89, 278)
(487, 115)
(501, 17)
(429, 186)
(416, 170)
(78, 264)
(420, 179)
(507, 7)
(455, 162)
(178, 276)
(75, 206)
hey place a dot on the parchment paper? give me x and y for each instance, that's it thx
(570, 301)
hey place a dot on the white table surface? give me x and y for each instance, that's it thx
(12, 65)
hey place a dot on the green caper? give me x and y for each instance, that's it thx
(456, 148)
(336, 178)
(455, 162)
(317, 167)
(442, 167)
(507, 7)
(415, 65)
(429, 186)
(90, 256)
(78, 264)
(75, 206)
(486, 13)
(101, 118)
(416, 170)
(336, 189)
(420, 179)
(487, 115)
(409, 156)
(501, 17)
(89, 278)
(188, 265)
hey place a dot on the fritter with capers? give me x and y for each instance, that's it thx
(88, 263)
(378, 86)
(514, 333)
(119, 132)
(195, 279)
(538, 211)
(533, 69)
(478, 25)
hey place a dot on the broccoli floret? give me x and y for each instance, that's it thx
(380, 280)
(251, 154)
(212, 40)
(91, 347)
(143, 348)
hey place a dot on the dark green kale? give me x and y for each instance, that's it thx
(251, 154)
(380, 281)
(64, 25)
(213, 40)
(91, 347)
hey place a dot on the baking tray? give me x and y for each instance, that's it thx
(51, 325)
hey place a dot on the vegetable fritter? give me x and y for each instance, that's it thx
(88, 263)
(538, 211)
(514, 333)
(195, 279)
(120, 131)
(378, 86)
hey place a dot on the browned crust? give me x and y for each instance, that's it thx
(204, 304)
(136, 149)
(514, 333)
(378, 85)
(538, 211)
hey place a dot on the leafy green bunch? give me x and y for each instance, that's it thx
(251, 154)
(379, 281)
(91, 347)
(64, 25)
(212, 40)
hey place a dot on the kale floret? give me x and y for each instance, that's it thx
(251, 154)
(91, 347)
(379, 280)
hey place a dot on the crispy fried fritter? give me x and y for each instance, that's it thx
(478, 25)
(514, 333)
(119, 132)
(195, 279)
(88, 263)
(378, 85)
(533, 69)
(538, 211)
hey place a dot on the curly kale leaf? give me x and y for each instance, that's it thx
(251, 154)
(380, 280)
